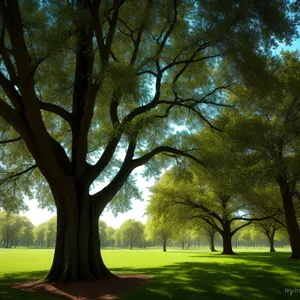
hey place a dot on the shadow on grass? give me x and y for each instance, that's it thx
(7, 280)
(245, 276)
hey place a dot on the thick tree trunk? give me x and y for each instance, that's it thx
(77, 250)
(271, 241)
(292, 225)
(164, 245)
(227, 240)
(212, 242)
(290, 217)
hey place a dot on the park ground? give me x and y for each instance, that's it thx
(176, 274)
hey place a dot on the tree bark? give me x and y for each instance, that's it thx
(212, 242)
(77, 249)
(227, 239)
(271, 240)
(290, 217)
(164, 245)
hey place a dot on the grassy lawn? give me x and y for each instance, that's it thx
(188, 274)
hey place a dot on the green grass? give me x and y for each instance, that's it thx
(188, 274)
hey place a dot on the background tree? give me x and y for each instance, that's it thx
(27, 236)
(183, 236)
(110, 236)
(12, 228)
(271, 133)
(197, 235)
(102, 232)
(75, 90)
(159, 226)
(219, 195)
(269, 228)
(132, 232)
(210, 232)
(117, 237)
(50, 232)
(39, 234)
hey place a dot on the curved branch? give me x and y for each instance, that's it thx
(10, 140)
(12, 21)
(103, 161)
(240, 227)
(189, 61)
(11, 116)
(6, 59)
(16, 176)
(11, 92)
(169, 31)
(252, 219)
(146, 72)
(211, 222)
(113, 24)
(144, 159)
(58, 110)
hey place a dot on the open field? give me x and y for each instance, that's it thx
(177, 274)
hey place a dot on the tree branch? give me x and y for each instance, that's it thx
(10, 140)
(16, 176)
(169, 31)
(136, 47)
(112, 27)
(58, 110)
(12, 20)
(240, 227)
(7, 61)
(11, 92)
(10, 116)
(144, 159)
(94, 11)
(252, 219)
(188, 61)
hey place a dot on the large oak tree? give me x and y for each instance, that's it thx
(81, 80)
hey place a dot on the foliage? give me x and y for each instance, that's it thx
(132, 233)
(111, 236)
(271, 137)
(159, 228)
(102, 233)
(91, 90)
(270, 124)
(45, 233)
(186, 52)
(14, 230)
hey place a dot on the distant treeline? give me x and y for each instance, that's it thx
(18, 231)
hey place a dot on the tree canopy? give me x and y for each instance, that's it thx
(132, 232)
(270, 134)
(91, 90)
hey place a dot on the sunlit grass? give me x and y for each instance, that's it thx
(24, 260)
(176, 274)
